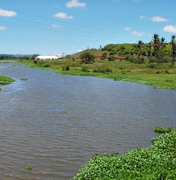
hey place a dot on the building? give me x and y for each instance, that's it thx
(51, 57)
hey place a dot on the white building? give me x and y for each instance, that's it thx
(52, 57)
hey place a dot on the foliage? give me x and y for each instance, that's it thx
(34, 56)
(111, 58)
(5, 80)
(173, 48)
(24, 79)
(155, 162)
(28, 167)
(102, 70)
(160, 129)
(66, 67)
(87, 57)
(105, 54)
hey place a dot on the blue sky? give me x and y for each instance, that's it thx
(68, 26)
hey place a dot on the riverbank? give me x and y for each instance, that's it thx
(5, 80)
(160, 76)
(154, 162)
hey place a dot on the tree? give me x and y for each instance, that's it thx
(87, 57)
(173, 48)
(34, 56)
(139, 46)
(157, 46)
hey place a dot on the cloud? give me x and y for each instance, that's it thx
(170, 28)
(136, 33)
(75, 3)
(127, 28)
(63, 15)
(159, 19)
(57, 26)
(7, 13)
(142, 17)
(2, 28)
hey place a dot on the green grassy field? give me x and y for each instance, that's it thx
(160, 76)
(5, 80)
(157, 162)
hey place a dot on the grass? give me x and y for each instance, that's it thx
(5, 80)
(155, 162)
(160, 76)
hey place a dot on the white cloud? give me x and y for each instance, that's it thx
(63, 15)
(75, 3)
(127, 28)
(170, 28)
(142, 17)
(2, 28)
(159, 19)
(136, 33)
(7, 13)
(57, 26)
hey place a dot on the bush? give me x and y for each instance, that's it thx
(84, 68)
(66, 68)
(87, 57)
(152, 66)
(105, 54)
(102, 70)
(111, 58)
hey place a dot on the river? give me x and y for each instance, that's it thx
(57, 122)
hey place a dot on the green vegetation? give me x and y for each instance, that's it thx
(160, 129)
(5, 80)
(155, 162)
(24, 79)
(150, 64)
(161, 76)
(28, 168)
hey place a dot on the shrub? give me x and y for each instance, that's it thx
(105, 54)
(111, 58)
(87, 57)
(84, 68)
(66, 68)
(102, 70)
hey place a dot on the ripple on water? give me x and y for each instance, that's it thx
(56, 123)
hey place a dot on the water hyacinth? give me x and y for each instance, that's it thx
(155, 162)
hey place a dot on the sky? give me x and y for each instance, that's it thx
(69, 26)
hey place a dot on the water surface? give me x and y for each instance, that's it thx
(57, 122)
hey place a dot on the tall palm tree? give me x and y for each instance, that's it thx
(173, 48)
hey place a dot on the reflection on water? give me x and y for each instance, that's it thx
(56, 123)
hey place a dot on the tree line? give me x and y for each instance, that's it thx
(157, 50)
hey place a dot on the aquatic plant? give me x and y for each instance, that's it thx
(160, 129)
(28, 167)
(155, 162)
(24, 79)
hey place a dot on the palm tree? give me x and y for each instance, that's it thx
(156, 43)
(173, 48)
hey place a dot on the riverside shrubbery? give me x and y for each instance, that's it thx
(155, 162)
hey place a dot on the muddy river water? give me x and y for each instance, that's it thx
(57, 122)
